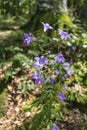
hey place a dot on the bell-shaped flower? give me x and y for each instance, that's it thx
(55, 127)
(61, 96)
(28, 38)
(46, 26)
(40, 61)
(59, 58)
(64, 35)
(37, 78)
(52, 81)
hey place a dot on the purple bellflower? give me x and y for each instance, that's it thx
(80, 54)
(40, 61)
(46, 26)
(55, 127)
(59, 58)
(37, 78)
(61, 96)
(71, 61)
(68, 69)
(64, 35)
(67, 66)
(73, 48)
(56, 72)
(65, 76)
(71, 72)
(65, 87)
(28, 38)
(52, 81)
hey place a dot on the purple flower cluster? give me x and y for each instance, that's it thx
(40, 61)
(59, 58)
(55, 127)
(61, 96)
(38, 78)
(28, 38)
(64, 35)
(46, 26)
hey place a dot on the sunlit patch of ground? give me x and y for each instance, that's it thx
(4, 34)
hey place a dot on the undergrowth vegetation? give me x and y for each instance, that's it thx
(57, 61)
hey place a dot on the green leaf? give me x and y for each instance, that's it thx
(66, 19)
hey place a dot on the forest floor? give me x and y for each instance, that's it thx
(14, 115)
(14, 101)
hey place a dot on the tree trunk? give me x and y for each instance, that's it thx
(42, 12)
(84, 11)
(62, 6)
(45, 10)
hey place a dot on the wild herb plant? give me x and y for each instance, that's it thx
(51, 72)
(56, 62)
